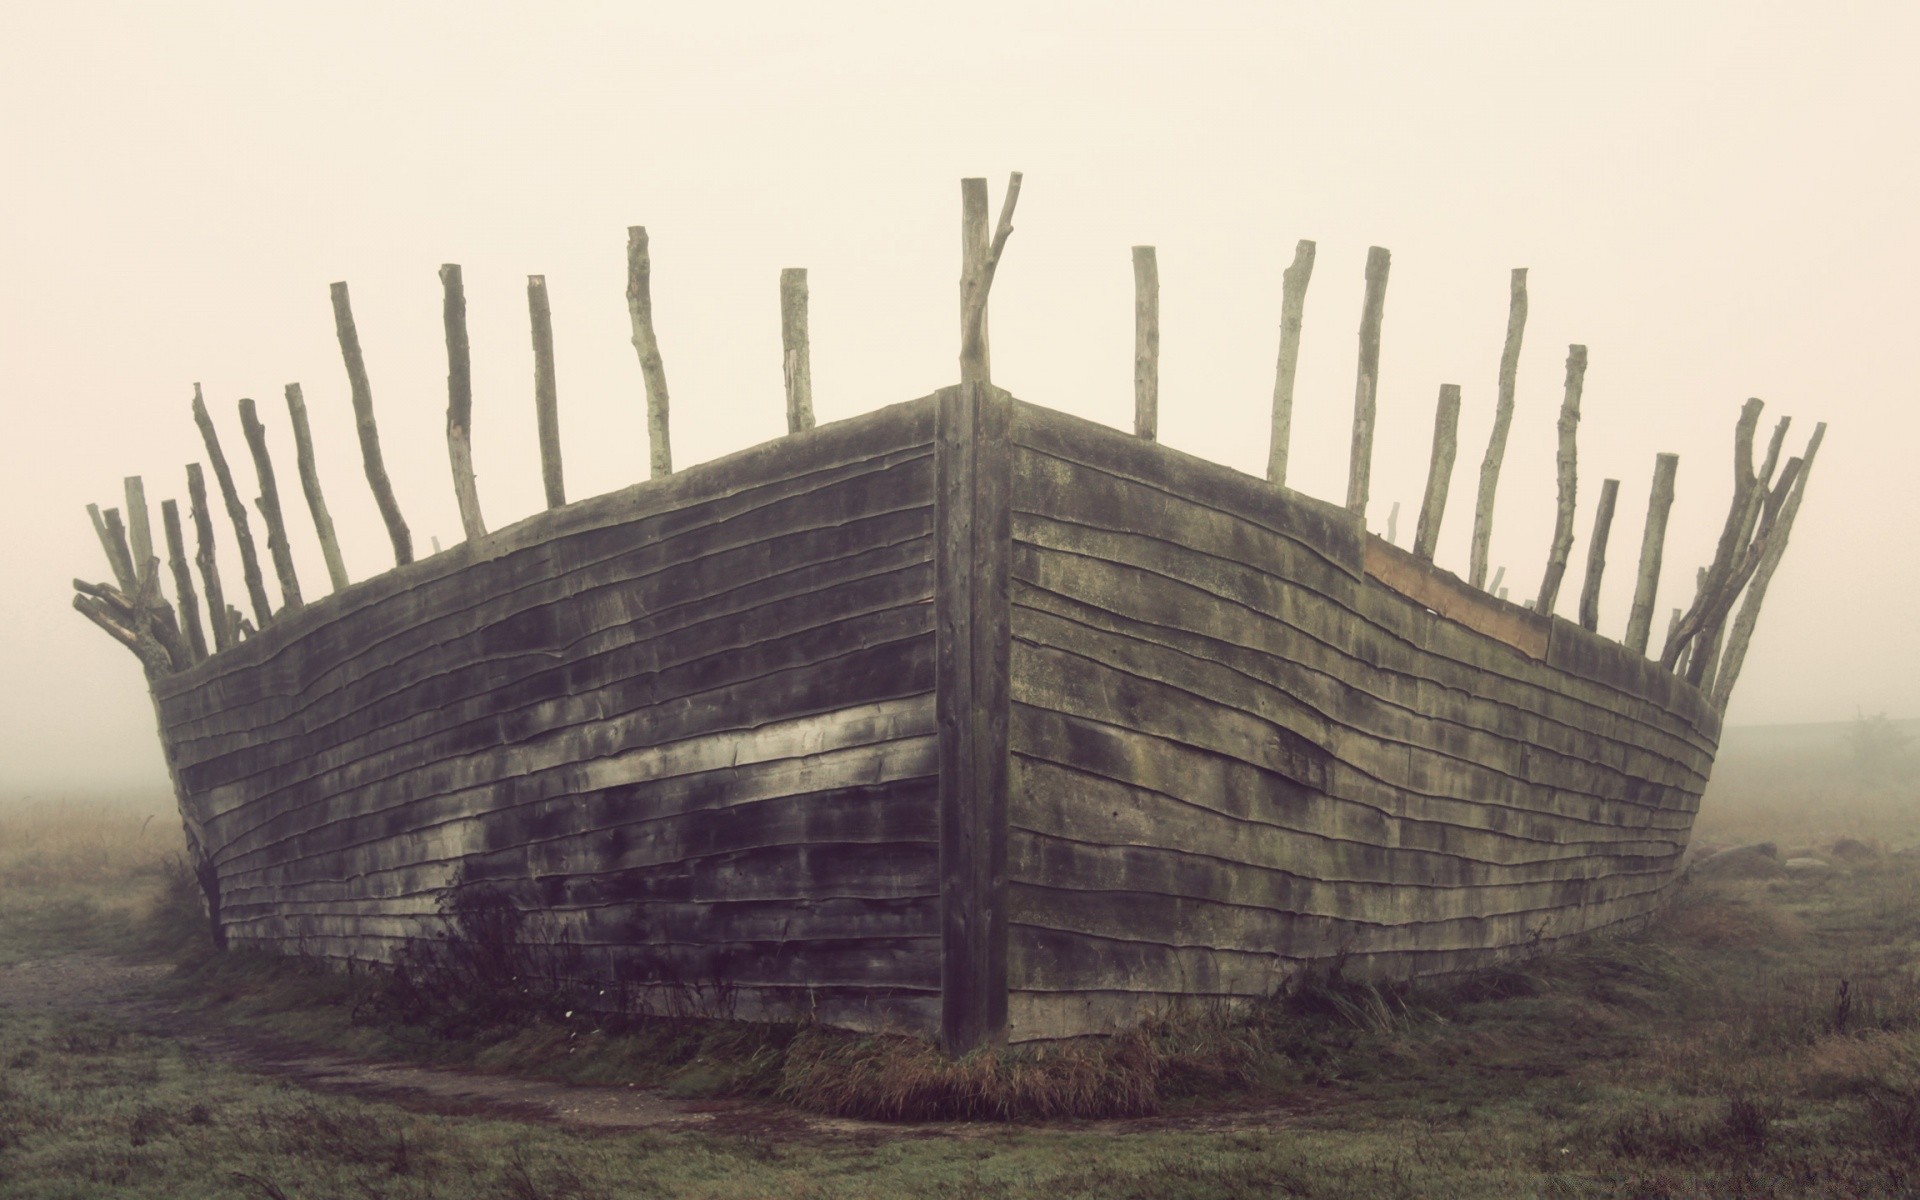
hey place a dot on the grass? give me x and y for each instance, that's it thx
(1762, 1039)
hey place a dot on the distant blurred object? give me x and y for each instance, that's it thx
(1879, 749)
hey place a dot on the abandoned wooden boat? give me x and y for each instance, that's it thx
(964, 717)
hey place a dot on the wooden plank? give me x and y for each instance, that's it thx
(973, 541)
(1502, 422)
(546, 404)
(369, 431)
(1146, 344)
(1445, 593)
(1366, 387)
(1293, 303)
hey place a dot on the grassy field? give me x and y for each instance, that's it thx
(1763, 1039)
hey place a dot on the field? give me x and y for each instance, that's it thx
(1762, 1039)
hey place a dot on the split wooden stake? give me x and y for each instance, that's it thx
(139, 523)
(236, 512)
(268, 503)
(546, 403)
(1366, 387)
(1741, 633)
(1502, 422)
(310, 484)
(1293, 304)
(1597, 555)
(460, 401)
(1566, 462)
(1146, 343)
(652, 371)
(1652, 544)
(369, 431)
(795, 355)
(114, 547)
(1446, 444)
(979, 261)
(204, 558)
(183, 579)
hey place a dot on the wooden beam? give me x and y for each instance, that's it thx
(310, 484)
(1366, 386)
(1446, 444)
(652, 371)
(1566, 463)
(1740, 635)
(453, 312)
(114, 545)
(1146, 343)
(154, 620)
(1726, 552)
(1393, 524)
(1293, 304)
(269, 505)
(1597, 555)
(369, 431)
(204, 558)
(236, 512)
(796, 363)
(1652, 544)
(546, 403)
(1502, 422)
(139, 521)
(183, 579)
(979, 261)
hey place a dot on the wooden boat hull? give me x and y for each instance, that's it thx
(963, 718)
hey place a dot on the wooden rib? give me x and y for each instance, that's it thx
(645, 344)
(453, 311)
(795, 353)
(183, 579)
(205, 560)
(1566, 462)
(1597, 555)
(979, 261)
(1502, 422)
(139, 521)
(236, 512)
(1146, 343)
(369, 431)
(1446, 443)
(1652, 543)
(269, 505)
(310, 484)
(1726, 552)
(1740, 635)
(113, 543)
(1293, 303)
(1366, 387)
(546, 404)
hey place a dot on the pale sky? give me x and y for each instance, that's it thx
(1718, 200)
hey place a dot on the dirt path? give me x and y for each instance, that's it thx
(126, 992)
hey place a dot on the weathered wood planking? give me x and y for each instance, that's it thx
(690, 723)
(1243, 740)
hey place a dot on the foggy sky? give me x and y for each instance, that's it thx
(1718, 200)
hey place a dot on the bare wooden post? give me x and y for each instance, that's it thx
(369, 431)
(1597, 555)
(647, 346)
(1726, 552)
(183, 579)
(1366, 387)
(236, 511)
(1740, 635)
(1495, 585)
(546, 404)
(203, 557)
(310, 484)
(1293, 304)
(1652, 543)
(269, 505)
(1566, 462)
(1502, 422)
(139, 526)
(979, 260)
(113, 544)
(1393, 524)
(1146, 343)
(1446, 443)
(795, 355)
(460, 401)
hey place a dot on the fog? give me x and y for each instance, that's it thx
(1717, 201)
